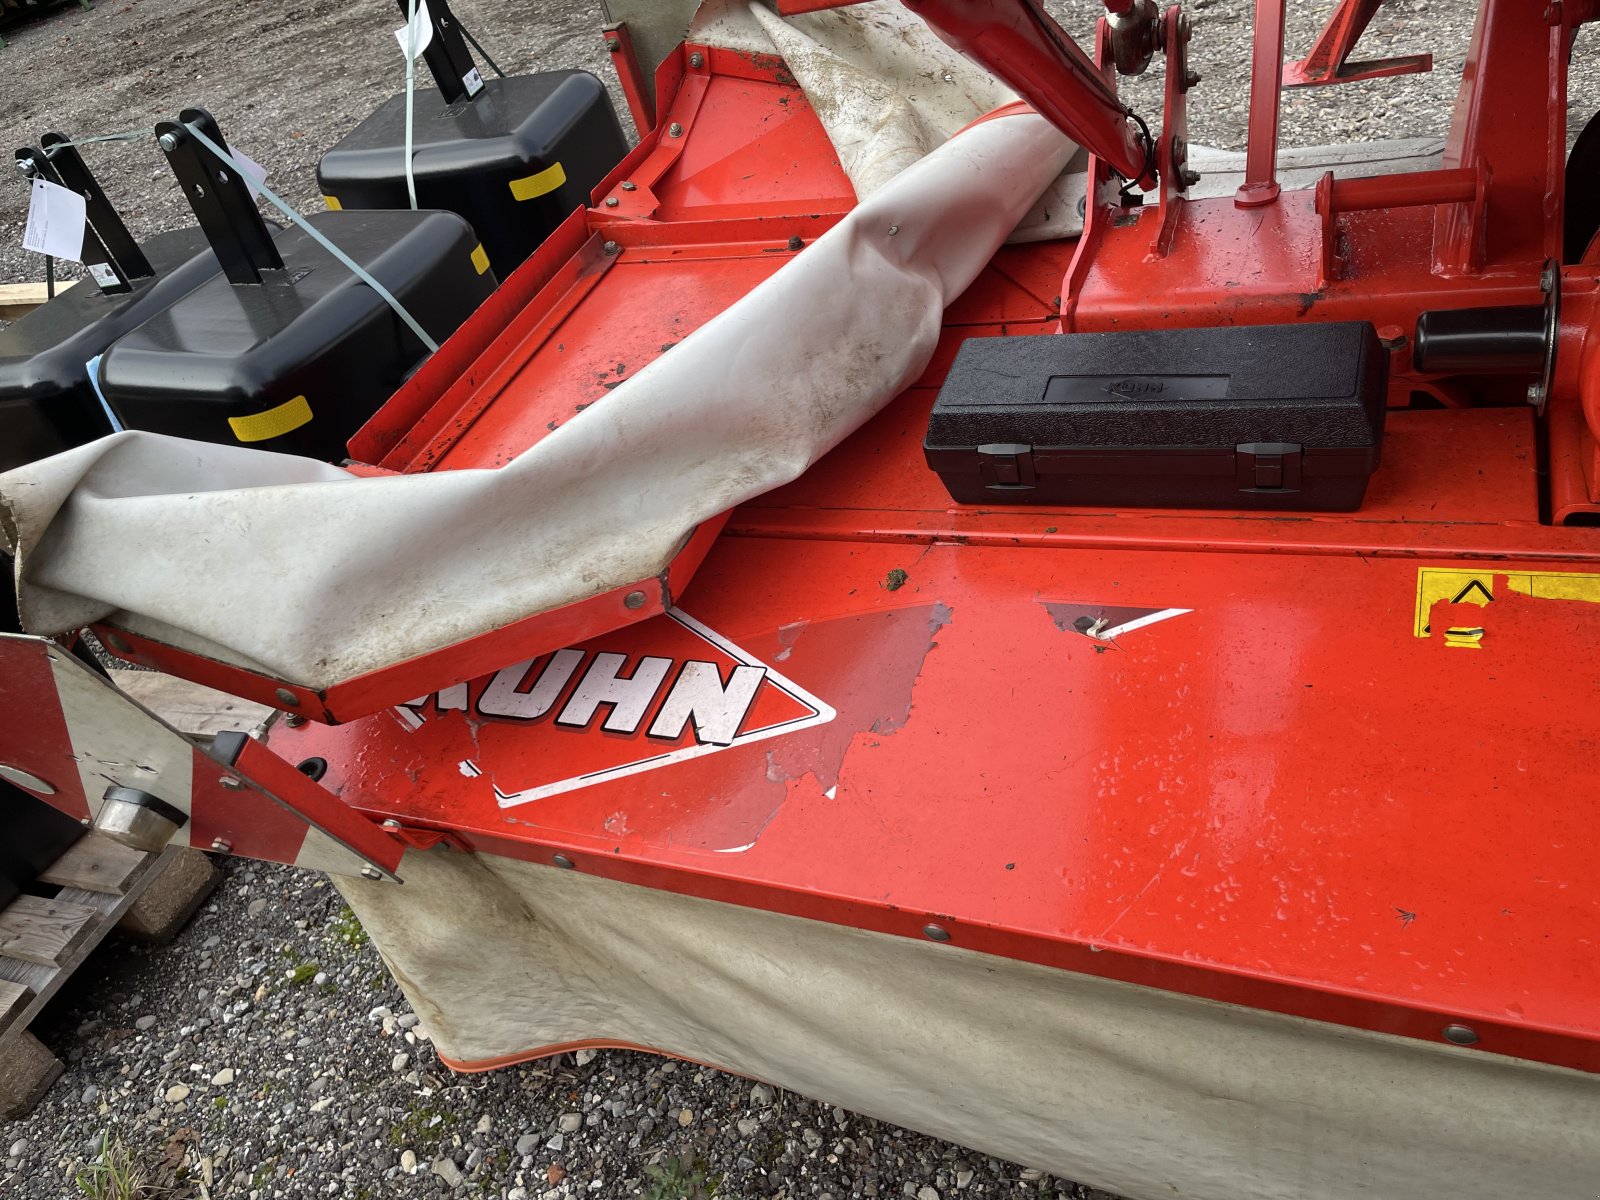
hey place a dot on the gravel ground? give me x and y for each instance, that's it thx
(266, 1053)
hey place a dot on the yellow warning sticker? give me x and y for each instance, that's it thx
(332, 204)
(480, 260)
(1478, 587)
(538, 184)
(275, 422)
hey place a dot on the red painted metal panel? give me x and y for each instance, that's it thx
(36, 737)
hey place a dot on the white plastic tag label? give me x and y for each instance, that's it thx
(473, 82)
(103, 274)
(56, 218)
(254, 173)
(416, 35)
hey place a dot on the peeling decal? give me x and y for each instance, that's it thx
(1467, 595)
(1105, 623)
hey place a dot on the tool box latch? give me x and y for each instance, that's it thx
(1006, 466)
(1268, 466)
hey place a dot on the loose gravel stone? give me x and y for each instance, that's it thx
(177, 1093)
(223, 1077)
(570, 1122)
(145, 1024)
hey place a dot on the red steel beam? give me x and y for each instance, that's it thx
(1266, 81)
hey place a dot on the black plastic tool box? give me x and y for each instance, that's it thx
(514, 156)
(46, 401)
(1246, 417)
(288, 349)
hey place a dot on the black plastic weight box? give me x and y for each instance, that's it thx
(516, 160)
(46, 402)
(1244, 417)
(299, 361)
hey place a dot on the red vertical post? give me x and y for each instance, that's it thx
(1266, 84)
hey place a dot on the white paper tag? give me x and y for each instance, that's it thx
(473, 82)
(415, 36)
(56, 218)
(254, 173)
(103, 274)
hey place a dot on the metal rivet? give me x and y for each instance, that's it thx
(612, 202)
(612, 248)
(294, 720)
(1461, 1035)
(697, 59)
(371, 872)
(629, 186)
(27, 779)
(113, 642)
(675, 129)
(229, 782)
(936, 933)
(286, 697)
(391, 825)
(220, 846)
(614, 45)
(562, 861)
(633, 600)
(169, 141)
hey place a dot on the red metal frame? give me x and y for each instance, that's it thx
(1327, 60)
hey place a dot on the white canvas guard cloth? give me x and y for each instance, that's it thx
(315, 576)
(1148, 1094)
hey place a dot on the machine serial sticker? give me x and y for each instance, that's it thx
(1480, 588)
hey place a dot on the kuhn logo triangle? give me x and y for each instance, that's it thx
(644, 697)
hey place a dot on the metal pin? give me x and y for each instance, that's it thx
(936, 933)
(169, 141)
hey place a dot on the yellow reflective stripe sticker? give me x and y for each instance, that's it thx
(540, 184)
(333, 203)
(480, 259)
(275, 422)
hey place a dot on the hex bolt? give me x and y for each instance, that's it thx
(371, 872)
(612, 248)
(612, 202)
(675, 129)
(1189, 177)
(614, 45)
(169, 142)
(629, 186)
(220, 846)
(935, 933)
(796, 242)
(562, 861)
(294, 720)
(697, 59)
(1191, 78)
(392, 825)
(1461, 1035)
(633, 600)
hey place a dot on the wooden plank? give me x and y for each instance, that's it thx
(43, 931)
(190, 707)
(20, 299)
(95, 863)
(14, 999)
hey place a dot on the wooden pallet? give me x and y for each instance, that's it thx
(103, 885)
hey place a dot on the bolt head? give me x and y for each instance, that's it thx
(1191, 78)
(230, 782)
(629, 186)
(562, 861)
(392, 825)
(169, 142)
(697, 59)
(1190, 178)
(675, 129)
(614, 45)
(612, 202)
(371, 872)
(634, 600)
(27, 168)
(288, 698)
(1535, 394)
(294, 720)
(612, 248)
(1461, 1035)
(935, 933)
(220, 846)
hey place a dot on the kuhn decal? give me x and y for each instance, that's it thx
(617, 714)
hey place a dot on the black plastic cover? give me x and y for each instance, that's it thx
(298, 362)
(1268, 416)
(32, 836)
(475, 157)
(46, 402)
